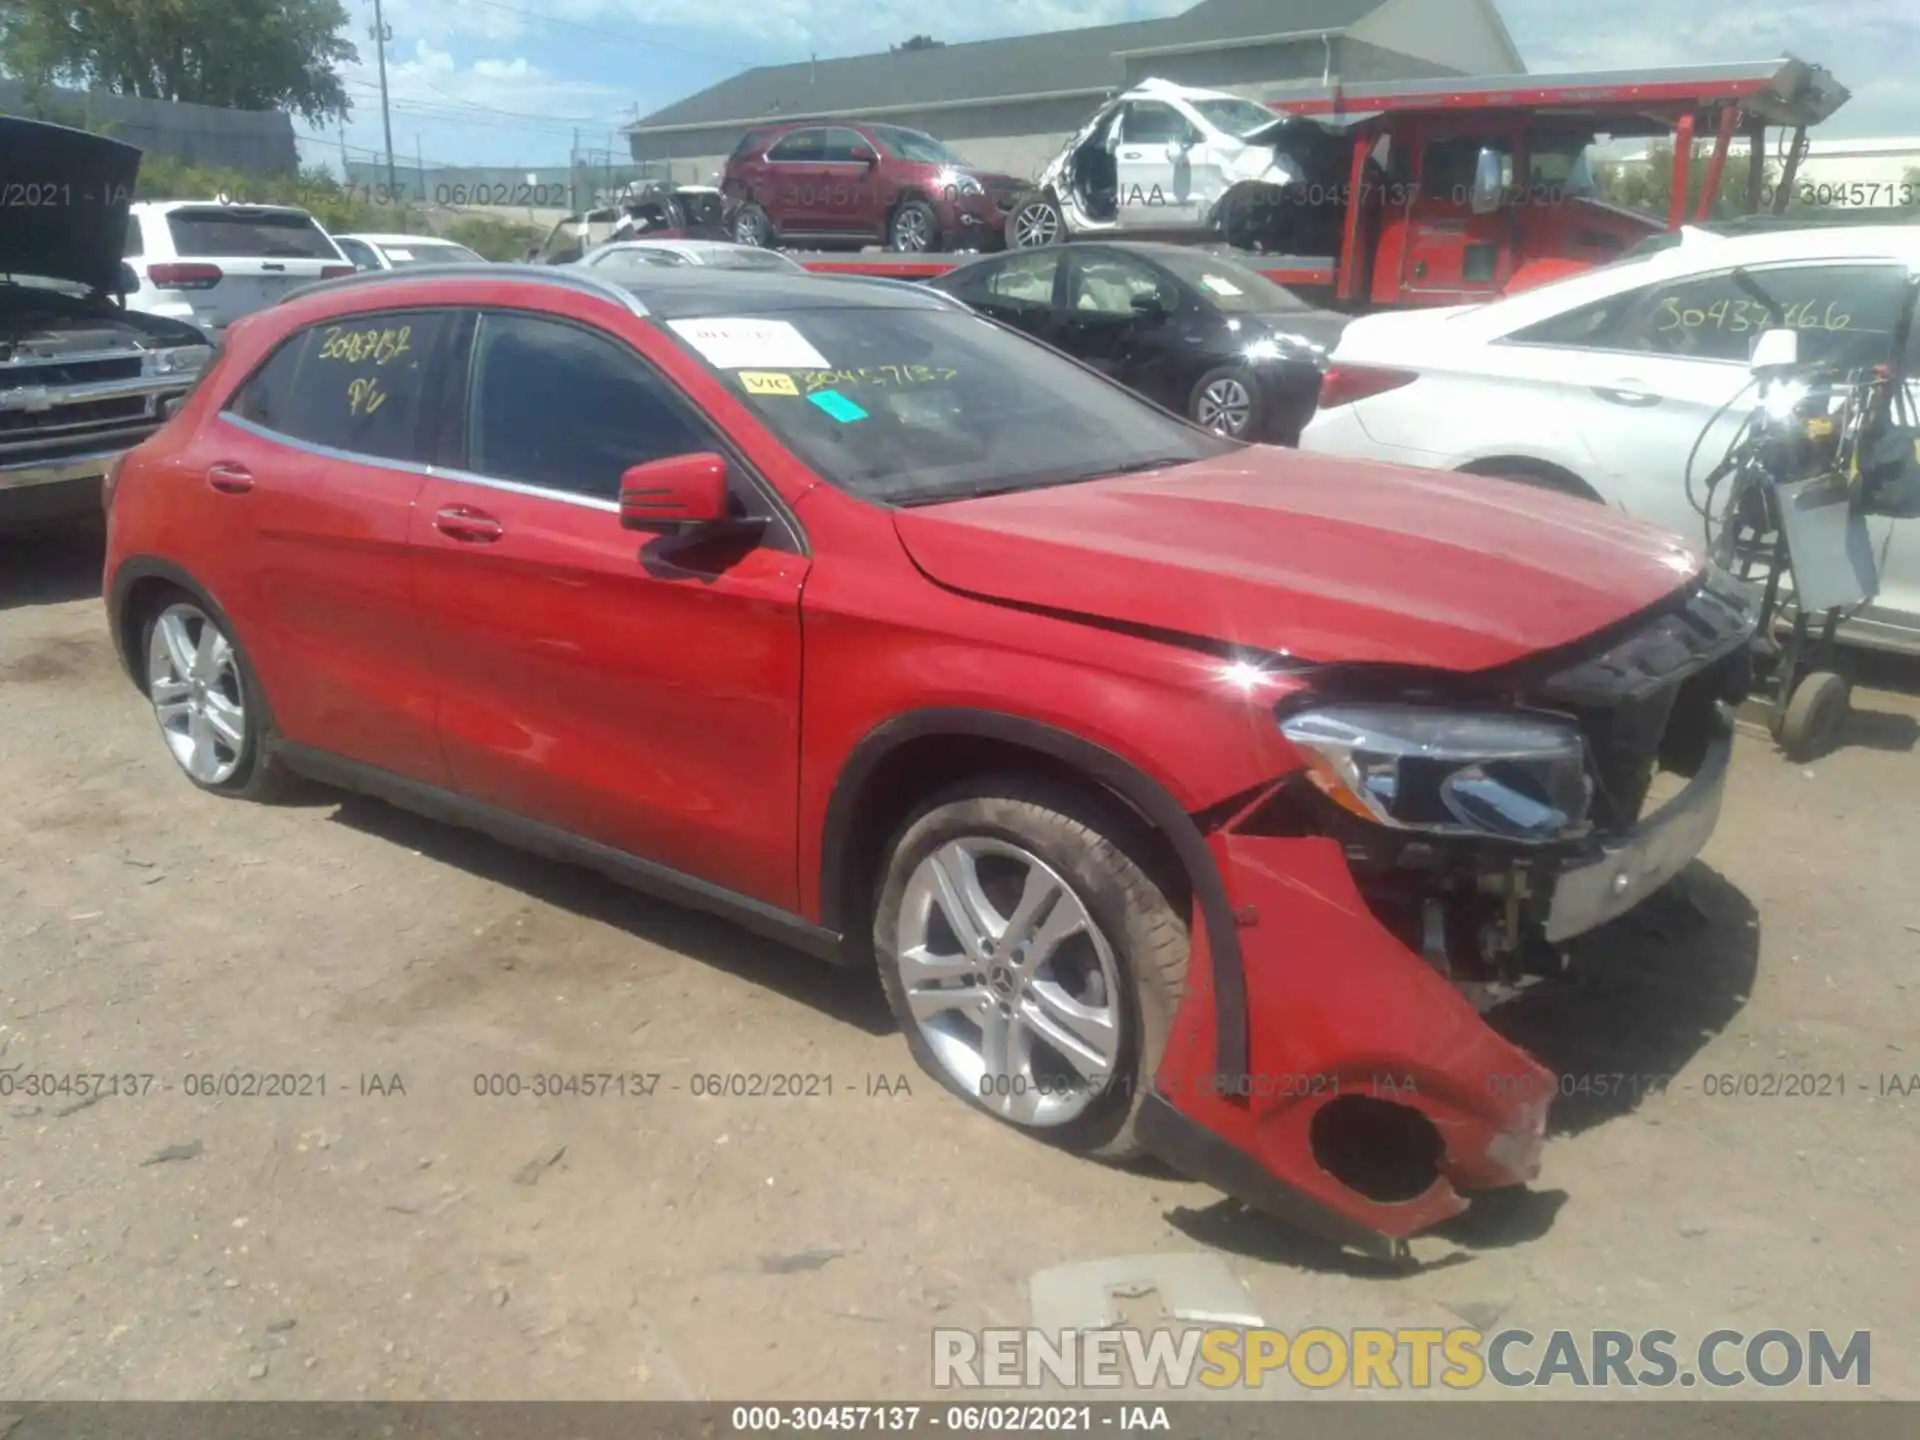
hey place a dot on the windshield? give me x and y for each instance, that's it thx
(1230, 286)
(912, 145)
(428, 253)
(905, 406)
(1233, 115)
(218, 231)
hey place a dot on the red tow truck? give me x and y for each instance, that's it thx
(1450, 192)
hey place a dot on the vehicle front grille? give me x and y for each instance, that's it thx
(1651, 701)
(67, 419)
(58, 374)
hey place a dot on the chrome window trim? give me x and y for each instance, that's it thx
(409, 467)
(583, 281)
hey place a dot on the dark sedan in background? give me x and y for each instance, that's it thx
(1197, 332)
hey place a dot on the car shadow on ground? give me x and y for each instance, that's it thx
(1642, 998)
(51, 566)
(850, 995)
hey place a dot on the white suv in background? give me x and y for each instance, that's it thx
(210, 262)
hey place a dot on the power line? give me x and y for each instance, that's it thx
(624, 36)
(466, 111)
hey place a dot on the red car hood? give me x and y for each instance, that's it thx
(1325, 560)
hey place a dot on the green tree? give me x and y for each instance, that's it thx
(241, 54)
(1648, 186)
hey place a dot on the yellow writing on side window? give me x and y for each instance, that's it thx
(768, 382)
(1738, 317)
(354, 346)
(879, 375)
(364, 395)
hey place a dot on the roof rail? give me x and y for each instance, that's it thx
(582, 281)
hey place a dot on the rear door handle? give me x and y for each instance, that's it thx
(464, 523)
(229, 478)
(1624, 394)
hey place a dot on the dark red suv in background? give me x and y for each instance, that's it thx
(832, 183)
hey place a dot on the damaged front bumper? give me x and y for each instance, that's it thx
(1329, 1063)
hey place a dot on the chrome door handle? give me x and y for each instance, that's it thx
(1638, 399)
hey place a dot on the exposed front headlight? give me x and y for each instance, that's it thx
(182, 360)
(959, 183)
(1509, 777)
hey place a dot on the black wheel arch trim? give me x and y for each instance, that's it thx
(131, 572)
(1117, 774)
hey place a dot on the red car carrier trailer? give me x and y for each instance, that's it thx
(1442, 193)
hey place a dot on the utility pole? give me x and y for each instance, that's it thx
(346, 177)
(382, 33)
(420, 167)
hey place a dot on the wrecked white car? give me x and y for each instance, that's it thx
(1169, 161)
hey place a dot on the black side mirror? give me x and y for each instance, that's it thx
(129, 279)
(1147, 306)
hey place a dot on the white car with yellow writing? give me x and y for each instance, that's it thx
(1626, 384)
(1171, 161)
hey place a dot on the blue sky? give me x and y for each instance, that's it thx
(507, 82)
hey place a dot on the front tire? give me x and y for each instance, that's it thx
(1032, 962)
(208, 703)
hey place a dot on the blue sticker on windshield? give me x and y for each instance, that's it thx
(838, 406)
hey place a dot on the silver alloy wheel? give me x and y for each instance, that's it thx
(1012, 985)
(910, 230)
(1036, 224)
(1225, 406)
(193, 679)
(747, 229)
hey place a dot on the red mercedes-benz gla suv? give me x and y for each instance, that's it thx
(1187, 795)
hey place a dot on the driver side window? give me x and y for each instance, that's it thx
(561, 408)
(1149, 122)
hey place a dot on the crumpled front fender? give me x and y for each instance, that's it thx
(1342, 1020)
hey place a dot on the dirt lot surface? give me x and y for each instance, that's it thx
(435, 1243)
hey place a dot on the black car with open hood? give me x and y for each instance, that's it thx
(82, 378)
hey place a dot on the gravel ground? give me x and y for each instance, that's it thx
(401, 1236)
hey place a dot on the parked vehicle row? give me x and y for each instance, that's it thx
(1149, 767)
(83, 376)
(110, 307)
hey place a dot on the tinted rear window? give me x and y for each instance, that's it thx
(248, 233)
(364, 385)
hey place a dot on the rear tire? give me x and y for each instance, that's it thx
(914, 228)
(209, 705)
(1090, 969)
(1035, 222)
(1226, 400)
(753, 226)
